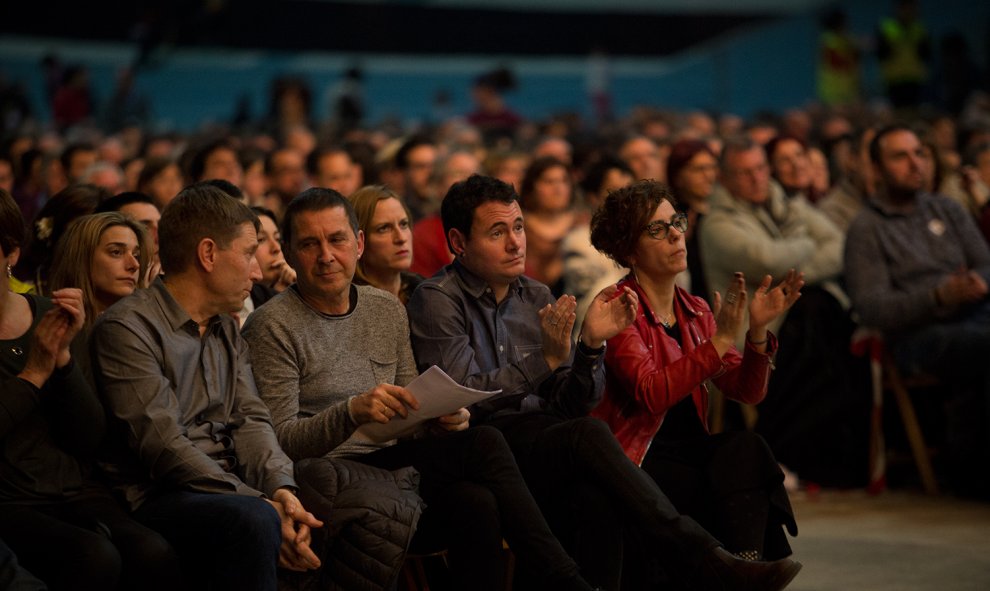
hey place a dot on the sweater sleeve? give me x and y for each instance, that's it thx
(277, 372)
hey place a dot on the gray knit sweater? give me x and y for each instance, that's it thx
(895, 257)
(307, 364)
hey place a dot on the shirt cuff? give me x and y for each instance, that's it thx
(588, 351)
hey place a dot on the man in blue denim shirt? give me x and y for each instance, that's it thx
(489, 327)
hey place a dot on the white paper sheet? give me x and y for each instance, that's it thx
(438, 395)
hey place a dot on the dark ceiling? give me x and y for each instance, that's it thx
(370, 27)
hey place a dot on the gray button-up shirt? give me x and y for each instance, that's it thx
(456, 324)
(191, 411)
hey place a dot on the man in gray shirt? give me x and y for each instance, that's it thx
(489, 326)
(204, 468)
(918, 268)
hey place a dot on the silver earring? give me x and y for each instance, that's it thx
(10, 273)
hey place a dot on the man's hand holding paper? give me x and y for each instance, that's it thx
(389, 412)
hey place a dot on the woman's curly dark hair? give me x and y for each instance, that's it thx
(616, 226)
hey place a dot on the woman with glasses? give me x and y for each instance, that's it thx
(659, 369)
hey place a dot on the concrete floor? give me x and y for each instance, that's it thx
(895, 541)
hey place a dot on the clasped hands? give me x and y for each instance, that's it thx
(295, 552)
(965, 286)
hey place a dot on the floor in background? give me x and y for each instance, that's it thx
(895, 541)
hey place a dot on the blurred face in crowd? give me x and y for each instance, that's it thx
(697, 178)
(512, 170)
(643, 157)
(420, 163)
(148, 216)
(255, 182)
(269, 253)
(288, 175)
(222, 163)
(132, 171)
(6, 176)
(115, 265)
(791, 166)
(902, 167)
(324, 252)
(388, 243)
(164, 186)
(818, 168)
(458, 167)
(558, 148)
(111, 179)
(747, 175)
(337, 171)
(552, 191)
(615, 178)
(80, 161)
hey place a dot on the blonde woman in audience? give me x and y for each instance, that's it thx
(65, 527)
(106, 256)
(388, 245)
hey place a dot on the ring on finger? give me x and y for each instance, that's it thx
(730, 299)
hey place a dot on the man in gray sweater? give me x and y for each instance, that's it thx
(330, 356)
(918, 268)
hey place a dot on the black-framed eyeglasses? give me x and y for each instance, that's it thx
(659, 229)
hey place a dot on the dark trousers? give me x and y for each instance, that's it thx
(225, 541)
(475, 496)
(815, 416)
(88, 542)
(12, 576)
(579, 463)
(731, 484)
(958, 352)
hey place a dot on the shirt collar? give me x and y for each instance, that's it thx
(892, 210)
(475, 285)
(175, 314)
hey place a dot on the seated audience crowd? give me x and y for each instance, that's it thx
(200, 334)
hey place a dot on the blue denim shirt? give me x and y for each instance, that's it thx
(456, 324)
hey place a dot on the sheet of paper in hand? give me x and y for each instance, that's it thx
(438, 395)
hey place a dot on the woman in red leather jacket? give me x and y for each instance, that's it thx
(659, 370)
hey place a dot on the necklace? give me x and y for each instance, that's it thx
(666, 321)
